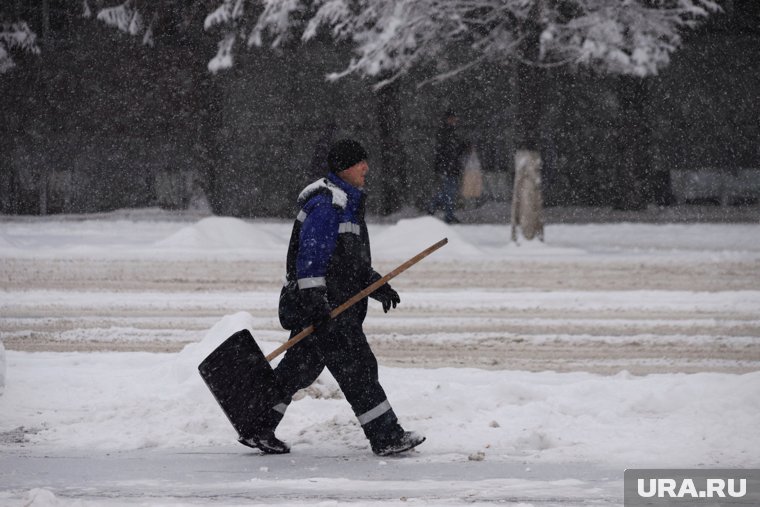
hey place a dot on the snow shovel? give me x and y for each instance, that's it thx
(240, 377)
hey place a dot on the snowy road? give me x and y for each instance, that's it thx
(599, 331)
(538, 373)
(230, 476)
(114, 428)
(657, 311)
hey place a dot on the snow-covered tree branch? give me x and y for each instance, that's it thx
(15, 37)
(143, 18)
(634, 37)
(389, 38)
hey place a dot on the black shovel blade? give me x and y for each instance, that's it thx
(242, 381)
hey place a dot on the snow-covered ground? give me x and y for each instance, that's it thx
(537, 372)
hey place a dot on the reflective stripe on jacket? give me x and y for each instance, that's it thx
(329, 245)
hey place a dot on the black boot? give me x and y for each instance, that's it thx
(266, 443)
(386, 436)
(407, 441)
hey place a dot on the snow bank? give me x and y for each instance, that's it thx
(411, 236)
(140, 236)
(125, 401)
(39, 497)
(221, 233)
(185, 365)
(655, 420)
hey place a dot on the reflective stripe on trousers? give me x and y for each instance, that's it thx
(372, 414)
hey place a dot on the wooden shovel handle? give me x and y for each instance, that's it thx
(359, 296)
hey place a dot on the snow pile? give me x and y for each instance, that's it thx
(39, 497)
(221, 233)
(655, 420)
(145, 236)
(411, 236)
(186, 363)
(142, 400)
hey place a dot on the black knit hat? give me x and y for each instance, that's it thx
(344, 154)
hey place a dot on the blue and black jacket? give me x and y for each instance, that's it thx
(329, 246)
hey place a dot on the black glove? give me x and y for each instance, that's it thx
(315, 305)
(387, 296)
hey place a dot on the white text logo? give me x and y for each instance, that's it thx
(715, 488)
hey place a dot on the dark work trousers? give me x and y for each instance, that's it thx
(446, 197)
(342, 347)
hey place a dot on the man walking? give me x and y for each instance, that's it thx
(329, 261)
(447, 166)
